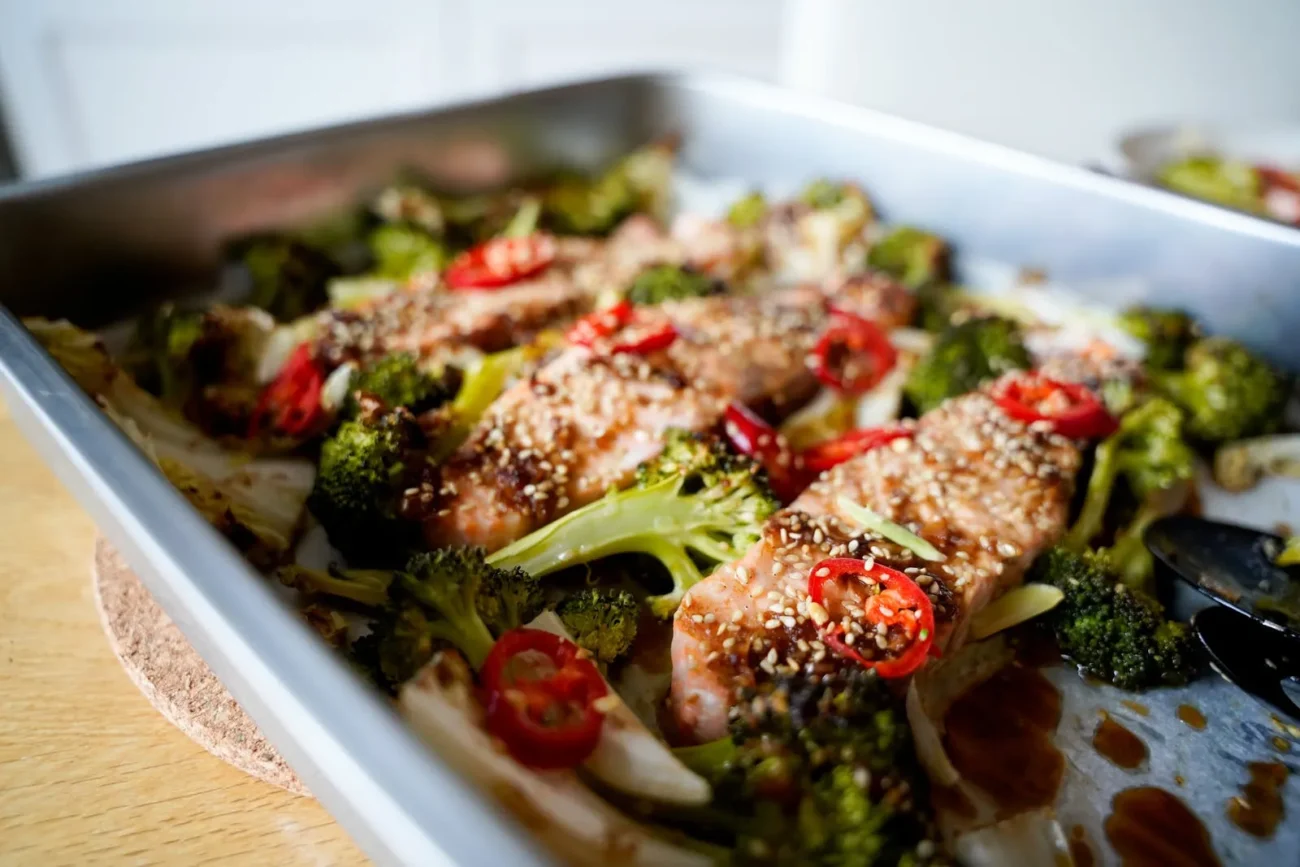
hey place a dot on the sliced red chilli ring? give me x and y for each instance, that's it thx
(893, 608)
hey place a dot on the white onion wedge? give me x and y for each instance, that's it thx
(572, 821)
(629, 757)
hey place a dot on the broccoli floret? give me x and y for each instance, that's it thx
(364, 468)
(695, 500)
(405, 251)
(159, 355)
(823, 193)
(1166, 333)
(1149, 454)
(819, 769)
(602, 621)
(1228, 392)
(1226, 182)
(913, 257)
(964, 356)
(748, 211)
(640, 182)
(449, 596)
(398, 380)
(288, 276)
(1110, 630)
(661, 283)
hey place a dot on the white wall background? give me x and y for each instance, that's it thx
(93, 82)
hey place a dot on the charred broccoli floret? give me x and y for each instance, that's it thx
(964, 356)
(1166, 333)
(660, 283)
(913, 257)
(159, 355)
(1110, 630)
(399, 380)
(748, 211)
(695, 500)
(402, 251)
(363, 470)
(819, 769)
(450, 596)
(1228, 392)
(288, 276)
(1148, 453)
(602, 621)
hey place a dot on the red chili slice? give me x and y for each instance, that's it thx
(754, 437)
(1281, 193)
(824, 455)
(540, 692)
(1073, 410)
(896, 603)
(853, 354)
(594, 328)
(290, 404)
(500, 262)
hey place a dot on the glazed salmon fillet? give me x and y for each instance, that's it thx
(989, 492)
(439, 324)
(584, 421)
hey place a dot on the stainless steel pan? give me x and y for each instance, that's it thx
(97, 246)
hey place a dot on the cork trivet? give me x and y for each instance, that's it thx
(175, 679)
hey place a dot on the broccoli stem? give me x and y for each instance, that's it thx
(1091, 518)
(368, 587)
(711, 759)
(460, 623)
(1129, 558)
(653, 520)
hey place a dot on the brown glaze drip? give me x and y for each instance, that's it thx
(1080, 851)
(1137, 707)
(1148, 827)
(999, 736)
(1179, 780)
(1036, 648)
(1191, 716)
(1259, 808)
(1281, 744)
(951, 799)
(1118, 744)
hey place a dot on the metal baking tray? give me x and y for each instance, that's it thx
(98, 246)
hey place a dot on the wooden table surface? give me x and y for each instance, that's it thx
(89, 774)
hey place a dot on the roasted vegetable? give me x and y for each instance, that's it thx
(288, 276)
(604, 622)
(1240, 465)
(695, 500)
(1228, 392)
(1111, 631)
(819, 769)
(399, 380)
(964, 356)
(1226, 182)
(450, 596)
(660, 283)
(747, 211)
(1167, 334)
(365, 466)
(1148, 453)
(912, 256)
(402, 252)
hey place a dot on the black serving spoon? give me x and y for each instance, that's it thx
(1252, 634)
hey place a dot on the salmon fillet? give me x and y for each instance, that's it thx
(989, 492)
(440, 325)
(584, 421)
